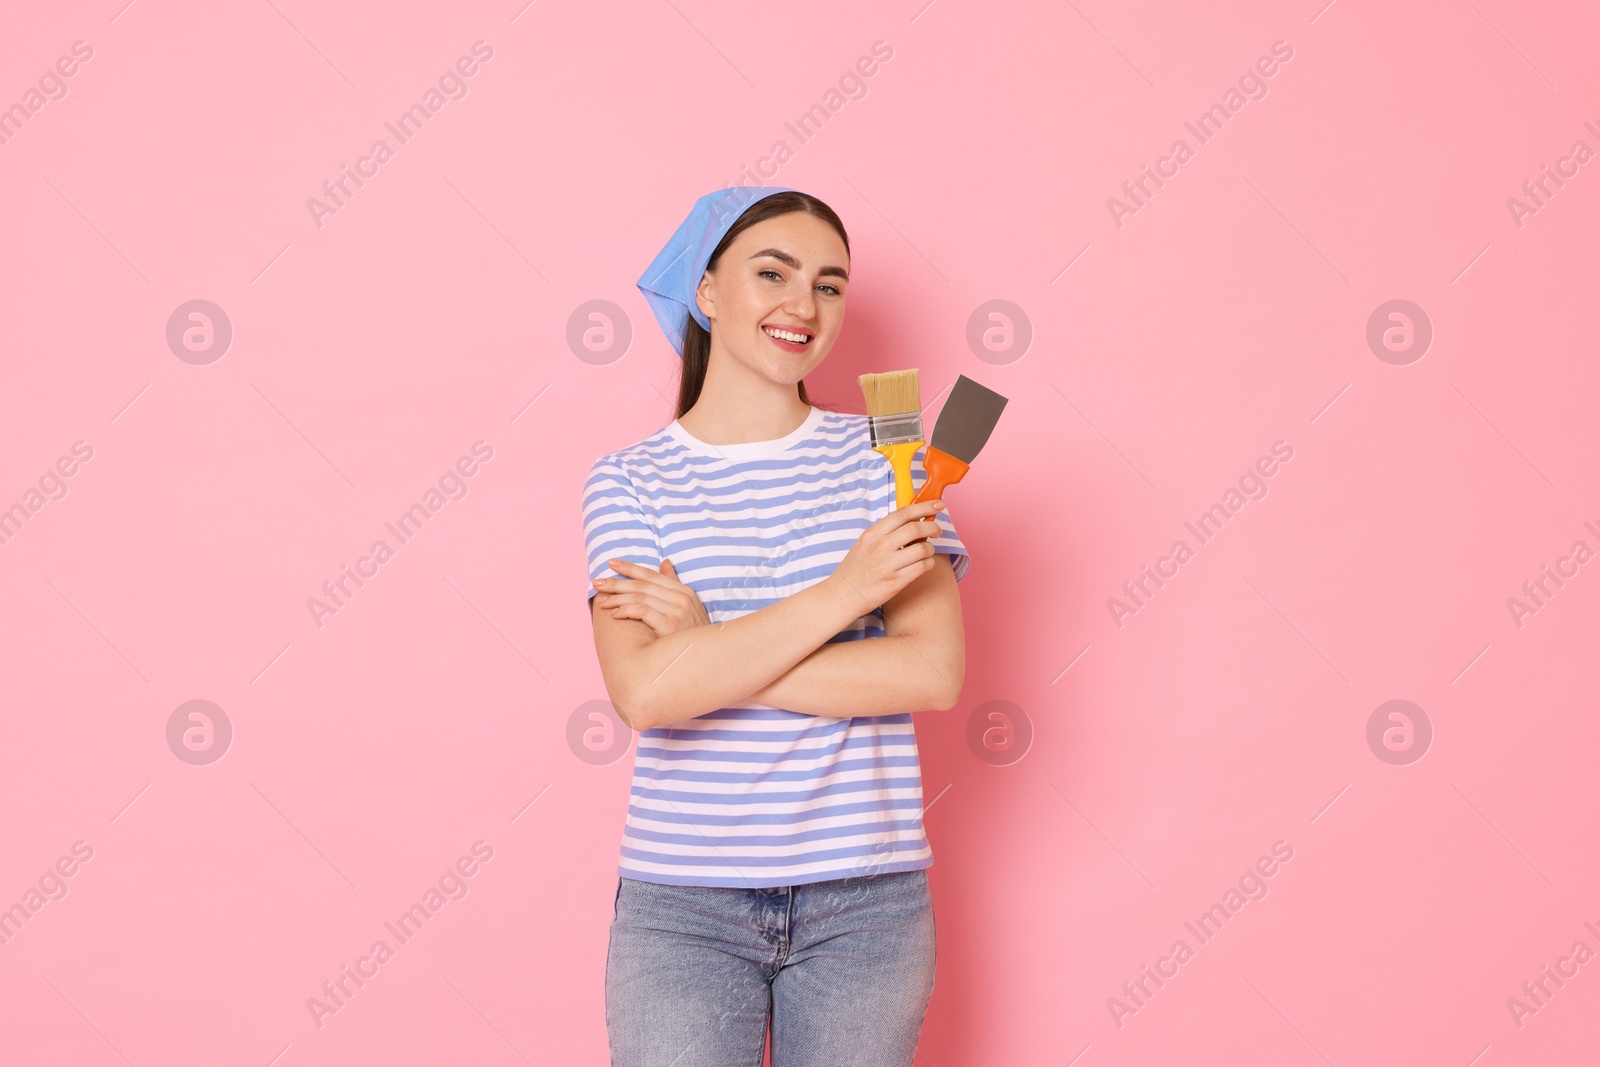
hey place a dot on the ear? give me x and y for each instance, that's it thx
(703, 297)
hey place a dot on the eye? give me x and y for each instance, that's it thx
(832, 290)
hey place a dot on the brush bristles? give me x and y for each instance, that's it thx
(893, 393)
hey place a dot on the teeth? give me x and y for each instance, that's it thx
(792, 338)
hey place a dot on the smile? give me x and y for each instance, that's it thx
(791, 338)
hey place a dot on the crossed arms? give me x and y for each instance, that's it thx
(780, 656)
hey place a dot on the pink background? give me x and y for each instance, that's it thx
(1168, 353)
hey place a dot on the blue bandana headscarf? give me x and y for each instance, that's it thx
(669, 283)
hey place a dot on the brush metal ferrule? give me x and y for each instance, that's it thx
(895, 429)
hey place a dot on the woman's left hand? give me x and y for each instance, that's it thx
(656, 598)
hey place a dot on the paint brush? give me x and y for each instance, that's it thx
(965, 423)
(894, 417)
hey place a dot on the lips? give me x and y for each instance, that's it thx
(789, 338)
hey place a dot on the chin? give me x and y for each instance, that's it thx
(788, 371)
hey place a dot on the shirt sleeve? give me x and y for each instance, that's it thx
(614, 523)
(948, 542)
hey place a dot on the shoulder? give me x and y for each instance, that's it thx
(647, 452)
(613, 479)
(837, 420)
(844, 429)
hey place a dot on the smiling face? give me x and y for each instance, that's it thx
(785, 275)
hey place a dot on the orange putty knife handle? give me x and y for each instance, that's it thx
(943, 470)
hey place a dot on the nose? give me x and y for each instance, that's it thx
(801, 302)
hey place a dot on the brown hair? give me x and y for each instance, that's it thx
(696, 341)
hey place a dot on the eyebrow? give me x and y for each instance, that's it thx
(783, 257)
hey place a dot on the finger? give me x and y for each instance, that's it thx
(916, 562)
(642, 612)
(621, 614)
(645, 596)
(909, 566)
(931, 528)
(616, 585)
(641, 573)
(910, 513)
(913, 532)
(922, 509)
(668, 569)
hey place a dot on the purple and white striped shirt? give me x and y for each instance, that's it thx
(751, 795)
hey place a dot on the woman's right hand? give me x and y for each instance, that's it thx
(890, 554)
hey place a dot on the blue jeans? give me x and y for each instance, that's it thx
(844, 968)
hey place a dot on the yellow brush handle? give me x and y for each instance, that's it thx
(899, 457)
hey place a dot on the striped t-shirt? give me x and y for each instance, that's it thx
(752, 795)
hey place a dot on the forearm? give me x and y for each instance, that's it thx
(871, 676)
(690, 672)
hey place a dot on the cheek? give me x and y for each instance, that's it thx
(750, 303)
(819, 353)
(832, 326)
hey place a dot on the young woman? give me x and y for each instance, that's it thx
(767, 621)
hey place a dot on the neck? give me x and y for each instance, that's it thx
(736, 405)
